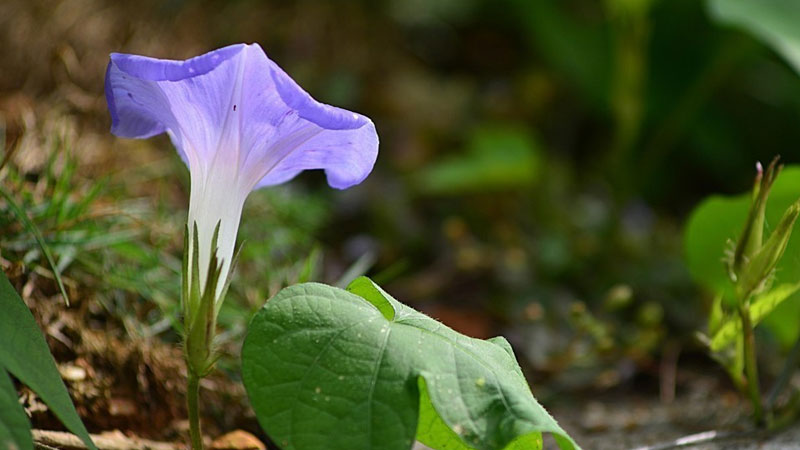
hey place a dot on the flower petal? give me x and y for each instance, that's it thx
(288, 131)
(189, 99)
(239, 122)
(235, 106)
(347, 156)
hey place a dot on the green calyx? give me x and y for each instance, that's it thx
(199, 305)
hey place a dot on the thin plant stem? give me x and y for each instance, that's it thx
(192, 397)
(750, 366)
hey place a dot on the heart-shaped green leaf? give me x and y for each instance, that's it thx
(332, 369)
(25, 354)
(15, 430)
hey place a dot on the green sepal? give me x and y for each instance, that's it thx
(200, 333)
(194, 283)
(201, 324)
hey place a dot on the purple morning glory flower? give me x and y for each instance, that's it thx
(239, 122)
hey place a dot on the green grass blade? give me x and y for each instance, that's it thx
(24, 353)
(15, 429)
(34, 230)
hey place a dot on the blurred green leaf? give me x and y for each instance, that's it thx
(579, 49)
(25, 354)
(718, 221)
(731, 326)
(15, 429)
(377, 374)
(497, 158)
(773, 21)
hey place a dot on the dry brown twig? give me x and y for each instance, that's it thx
(113, 440)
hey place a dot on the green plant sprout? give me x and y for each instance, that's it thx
(751, 264)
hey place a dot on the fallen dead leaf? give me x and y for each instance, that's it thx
(237, 440)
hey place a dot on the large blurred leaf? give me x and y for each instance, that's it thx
(579, 49)
(332, 369)
(776, 22)
(24, 353)
(716, 224)
(15, 430)
(497, 158)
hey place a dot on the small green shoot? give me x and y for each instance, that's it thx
(751, 294)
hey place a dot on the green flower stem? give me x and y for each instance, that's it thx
(192, 397)
(750, 366)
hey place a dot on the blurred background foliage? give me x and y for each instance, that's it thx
(538, 161)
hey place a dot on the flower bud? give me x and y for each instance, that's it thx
(758, 270)
(752, 235)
